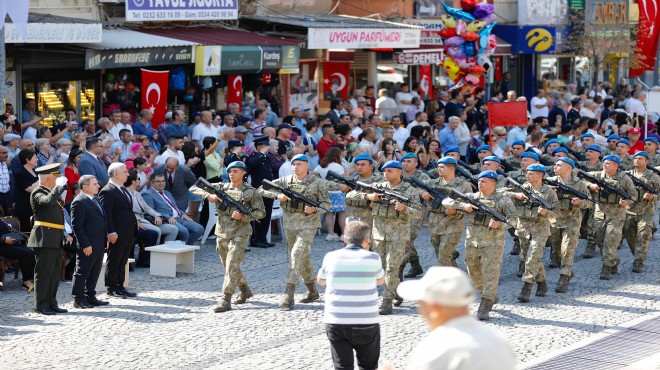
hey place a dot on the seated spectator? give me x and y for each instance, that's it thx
(12, 248)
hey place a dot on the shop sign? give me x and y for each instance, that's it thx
(123, 58)
(180, 10)
(422, 57)
(271, 58)
(245, 59)
(55, 33)
(207, 60)
(290, 60)
(607, 12)
(362, 38)
(531, 12)
(431, 33)
(529, 39)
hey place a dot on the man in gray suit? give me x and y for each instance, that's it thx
(91, 163)
(178, 181)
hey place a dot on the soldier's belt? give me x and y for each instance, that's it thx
(48, 224)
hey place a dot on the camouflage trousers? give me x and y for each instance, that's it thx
(638, 231)
(589, 227)
(564, 241)
(392, 255)
(444, 246)
(532, 246)
(232, 253)
(299, 244)
(411, 251)
(607, 235)
(483, 259)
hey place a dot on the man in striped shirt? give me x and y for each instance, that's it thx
(352, 276)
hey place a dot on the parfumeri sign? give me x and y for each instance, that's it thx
(362, 38)
(174, 10)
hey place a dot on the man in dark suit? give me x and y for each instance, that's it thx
(46, 237)
(259, 169)
(122, 228)
(334, 113)
(91, 163)
(178, 181)
(88, 222)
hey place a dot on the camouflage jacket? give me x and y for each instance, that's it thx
(439, 222)
(644, 207)
(571, 214)
(477, 223)
(608, 204)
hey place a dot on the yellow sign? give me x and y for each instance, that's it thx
(207, 60)
(539, 39)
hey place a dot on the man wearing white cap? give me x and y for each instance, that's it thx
(456, 340)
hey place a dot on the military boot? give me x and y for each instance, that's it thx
(245, 294)
(401, 268)
(562, 285)
(287, 300)
(312, 293)
(454, 257)
(638, 266)
(541, 288)
(555, 259)
(589, 251)
(397, 301)
(386, 307)
(415, 268)
(225, 304)
(521, 268)
(484, 309)
(516, 247)
(615, 269)
(606, 273)
(525, 292)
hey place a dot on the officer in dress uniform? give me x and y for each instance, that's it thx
(259, 168)
(47, 236)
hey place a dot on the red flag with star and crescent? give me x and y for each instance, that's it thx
(154, 94)
(335, 80)
(235, 90)
(648, 35)
(425, 85)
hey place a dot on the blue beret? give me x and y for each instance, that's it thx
(623, 141)
(565, 160)
(530, 155)
(492, 158)
(653, 140)
(518, 142)
(448, 160)
(587, 135)
(536, 167)
(594, 147)
(560, 149)
(488, 174)
(484, 147)
(363, 157)
(409, 155)
(612, 157)
(237, 164)
(552, 141)
(392, 164)
(613, 137)
(299, 157)
(643, 154)
(451, 149)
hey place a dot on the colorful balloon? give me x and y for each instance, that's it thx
(476, 26)
(447, 33)
(469, 5)
(483, 10)
(470, 36)
(457, 13)
(460, 27)
(454, 41)
(448, 21)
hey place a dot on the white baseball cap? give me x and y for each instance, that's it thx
(447, 286)
(10, 137)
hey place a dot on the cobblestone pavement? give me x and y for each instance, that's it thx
(171, 323)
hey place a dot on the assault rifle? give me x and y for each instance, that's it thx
(640, 183)
(460, 171)
(568, 190)
(655, 170)
(462, 163)
(226, 200)
(295, 197)
(605, 187)
(342, 180)
(387, 195)
(573, 152)
(437, 195)
(507, 167)
(532, 197)
(484, 209)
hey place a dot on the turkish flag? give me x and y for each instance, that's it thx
(425, 85)
(235, 90)
(154, 94)
(507, 114)
(647, 36)
(335, 80)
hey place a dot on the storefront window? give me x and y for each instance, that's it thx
(55, 98)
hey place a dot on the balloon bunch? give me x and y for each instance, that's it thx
(468, 43)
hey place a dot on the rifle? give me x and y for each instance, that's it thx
(386, 195)
(295, 198)
(484, 209)
(640, 183)
(467, 167)
(573, 152)
(532, 197)
(655, 170)
(463, 173)
(342, 180)
(605, 187)
(568, 190)
(437, 195)
(227, 200)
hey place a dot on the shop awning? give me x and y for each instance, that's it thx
(221, 36)
(52, 29)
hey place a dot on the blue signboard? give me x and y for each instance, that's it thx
(529, 39)
(180, 10)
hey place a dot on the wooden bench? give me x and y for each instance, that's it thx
(100, 284)
(170, 258)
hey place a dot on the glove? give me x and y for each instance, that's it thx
(61, 181)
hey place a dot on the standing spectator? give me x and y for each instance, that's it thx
(351, 318)
(310, 143)
(385, 106)
(413, 112)
(179, 180)
(174, 146)
(332, 162)
(194, 155)
(4, 180)
(367, 142)
(91, 162)
(25, 181)
(456, 340)
(335, 111)
(13, 144)
(453, 104)
(143, 128)
(447, 135)
(45, 153)
(327, 140)
(271, 118)
(71, 172)
(203, 129)
(30, 119)
(162, 129)
(636, 104)
(539, 104)
(257, 126)
(400, 133)
(299, 121)
(122, 147)
(234, 152)
(574, 111)
(212, 161)
(389, 151)
(176, 127)
(404, 99)
(463, 134)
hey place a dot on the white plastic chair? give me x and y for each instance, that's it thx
(213, 217)
(277, 214)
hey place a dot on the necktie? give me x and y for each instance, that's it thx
(171, 204)
(169, 180)
(127, 195)
(101, 162)
(96, 201)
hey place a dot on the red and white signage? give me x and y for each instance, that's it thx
(420, 57)
(362, 38)
(154, 94)
(431, 33)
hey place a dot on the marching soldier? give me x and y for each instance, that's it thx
(454, 152)
(622, 148)
(356, 206)
(233, 231)
(517, 149)
(547, 157)
(409, 163)
(533, 230)
(565, 230)
(492, 163)
(640, 216)
(560, 152)
(47, 236)
(651, 146)
(611, 144)
(482, 152)
(593, 163)
(586, 140)
(300, 225)
(610, 212)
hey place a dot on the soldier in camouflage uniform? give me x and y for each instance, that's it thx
(482, 152)
(526, 159)
(565, 230)
(484, 241)
(610, 212)
(492, 163)
(533, 230)
(357, 207)
(233, 232)
(586, 140)
(611, 144)
(409, 163)
(622, 148)
(517, 149)
(390, 230)
(640, 216)
(651, 146)
(454, 152)
(300, 224)
(547, 158)
(593, 163)
(446, 225)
